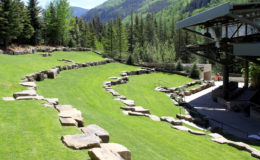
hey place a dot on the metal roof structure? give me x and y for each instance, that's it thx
(232, 31)
(225, 14)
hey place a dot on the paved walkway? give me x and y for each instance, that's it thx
(204, 104)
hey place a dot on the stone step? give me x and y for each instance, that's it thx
(54, 101)
(61, 108)
(30, 98)
(131, 113)
(117, 148)
(81, 141)
(171, 120)
(129, 102)
(103, 154)
(196, 132)
(98, 131)
(136, 109)
(181, 128)
(68, 122)
(154, 118)
(28, 84)
(8, 98)
(25, 93)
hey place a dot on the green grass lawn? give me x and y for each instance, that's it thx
(30, 131)
(27, 129)
(142, 90)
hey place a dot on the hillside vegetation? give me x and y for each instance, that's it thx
(166, 8)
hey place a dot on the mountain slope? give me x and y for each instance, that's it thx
(112, 8)
(78, 12)
(166, 9)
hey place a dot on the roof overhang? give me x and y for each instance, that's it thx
(226, 11)
(205, 16)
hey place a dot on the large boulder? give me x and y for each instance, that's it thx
(81, 141)
(39, 76)
(117, 148)
(52, 73)
(98, 131)
(103, 154)
(73, 113)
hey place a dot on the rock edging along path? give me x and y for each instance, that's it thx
(132, 110)
(93, 136)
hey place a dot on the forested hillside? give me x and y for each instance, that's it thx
(112, 8)
(78, 12)
(137, 30)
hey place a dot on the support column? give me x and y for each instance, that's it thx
(225, 79)
(246, 77)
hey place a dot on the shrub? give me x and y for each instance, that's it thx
(130, 60)
(195, 72)
(179, 66)
(254, 75)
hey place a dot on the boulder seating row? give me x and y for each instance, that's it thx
(93, 137)
(132, 109)
(239, 145)
(41, 49)
(181, 89)
(52, 73)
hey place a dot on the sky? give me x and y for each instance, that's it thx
(88, 4)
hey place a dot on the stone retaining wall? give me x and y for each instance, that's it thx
(44, 49)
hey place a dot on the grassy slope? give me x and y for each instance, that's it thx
(141, 89)
(145, 138)
(27, 129)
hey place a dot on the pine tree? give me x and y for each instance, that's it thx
(195, 72)
(131, 35)
(11, 20)
(28, 30)
(109, 40)
(119, 36)
(34, 12)
(51, 25)
(149, 28)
